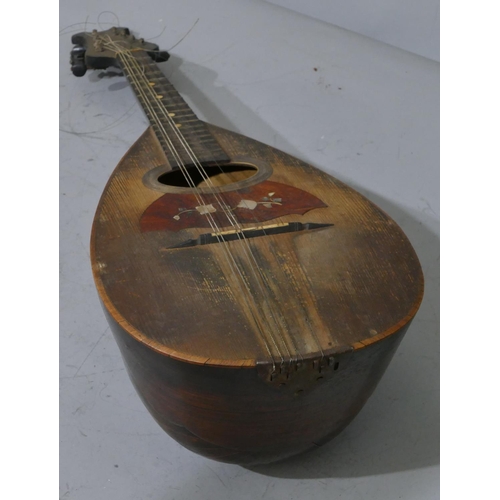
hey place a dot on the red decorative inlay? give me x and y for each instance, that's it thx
(261, 202)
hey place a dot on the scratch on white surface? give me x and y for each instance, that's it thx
(269, 484)
(122, 118)
(428, 208)
(84, 246)
(115, 432)
(218, 54)
(218, 477)
(86, 375)
(91, 350)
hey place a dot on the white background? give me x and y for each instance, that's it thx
(411, 25)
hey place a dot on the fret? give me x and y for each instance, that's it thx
(171, 118)
(167, 104)
(196, 122)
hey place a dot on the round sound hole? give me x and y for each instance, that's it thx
(222, 175)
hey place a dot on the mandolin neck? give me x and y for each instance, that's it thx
(184, 138)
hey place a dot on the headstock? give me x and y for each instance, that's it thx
(99, 49)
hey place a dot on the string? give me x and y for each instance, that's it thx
(226, 209)
(224, 206)
(261, 226)
(213, 225)
(233, 221)
(198, 196)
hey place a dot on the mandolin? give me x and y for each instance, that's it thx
(256, 300)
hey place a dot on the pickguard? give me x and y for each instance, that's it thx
(258, 203)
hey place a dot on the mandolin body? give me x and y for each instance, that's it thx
(254, 377)
(230, 415)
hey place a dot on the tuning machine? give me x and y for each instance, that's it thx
(159, 55)
(77, 60)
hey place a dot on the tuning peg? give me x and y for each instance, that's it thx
(77, 60)
(77, 51)
(162, 56)
(79, 69)
(79, 38)
(159, 56)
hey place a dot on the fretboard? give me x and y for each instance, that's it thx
(184, 138)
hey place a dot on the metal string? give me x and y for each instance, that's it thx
(198, 196)
(227, 210)
(279, 322)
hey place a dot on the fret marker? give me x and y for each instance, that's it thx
(158, 96)
(152, 84)
(178, 125)
(171, 114)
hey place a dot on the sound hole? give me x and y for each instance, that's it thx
(222, 175)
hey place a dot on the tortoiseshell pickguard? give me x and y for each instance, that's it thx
(261, 202)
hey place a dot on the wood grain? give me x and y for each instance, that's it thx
(351, 284)
(229, 414)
